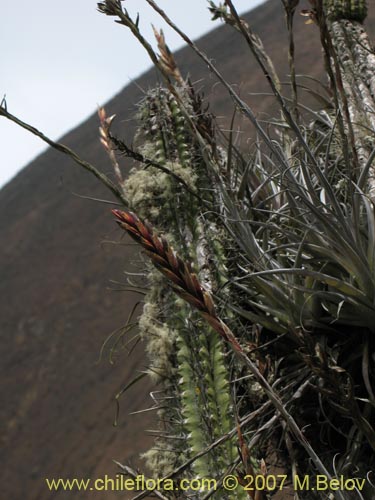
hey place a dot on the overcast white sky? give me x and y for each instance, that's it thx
(61, 58)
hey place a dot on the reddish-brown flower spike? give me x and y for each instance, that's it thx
(183, 280)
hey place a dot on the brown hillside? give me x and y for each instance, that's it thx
(56, 305)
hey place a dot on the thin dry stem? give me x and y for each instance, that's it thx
(69, 152)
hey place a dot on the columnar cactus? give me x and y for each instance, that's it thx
(354, 10)
(186, 355)
(355, 60)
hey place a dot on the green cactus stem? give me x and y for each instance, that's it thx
(353, 10)
(186, 355)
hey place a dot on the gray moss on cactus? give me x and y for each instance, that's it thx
(159, 337)
(354, 10)
(150, 190)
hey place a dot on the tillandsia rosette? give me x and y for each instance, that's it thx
(186, 356)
